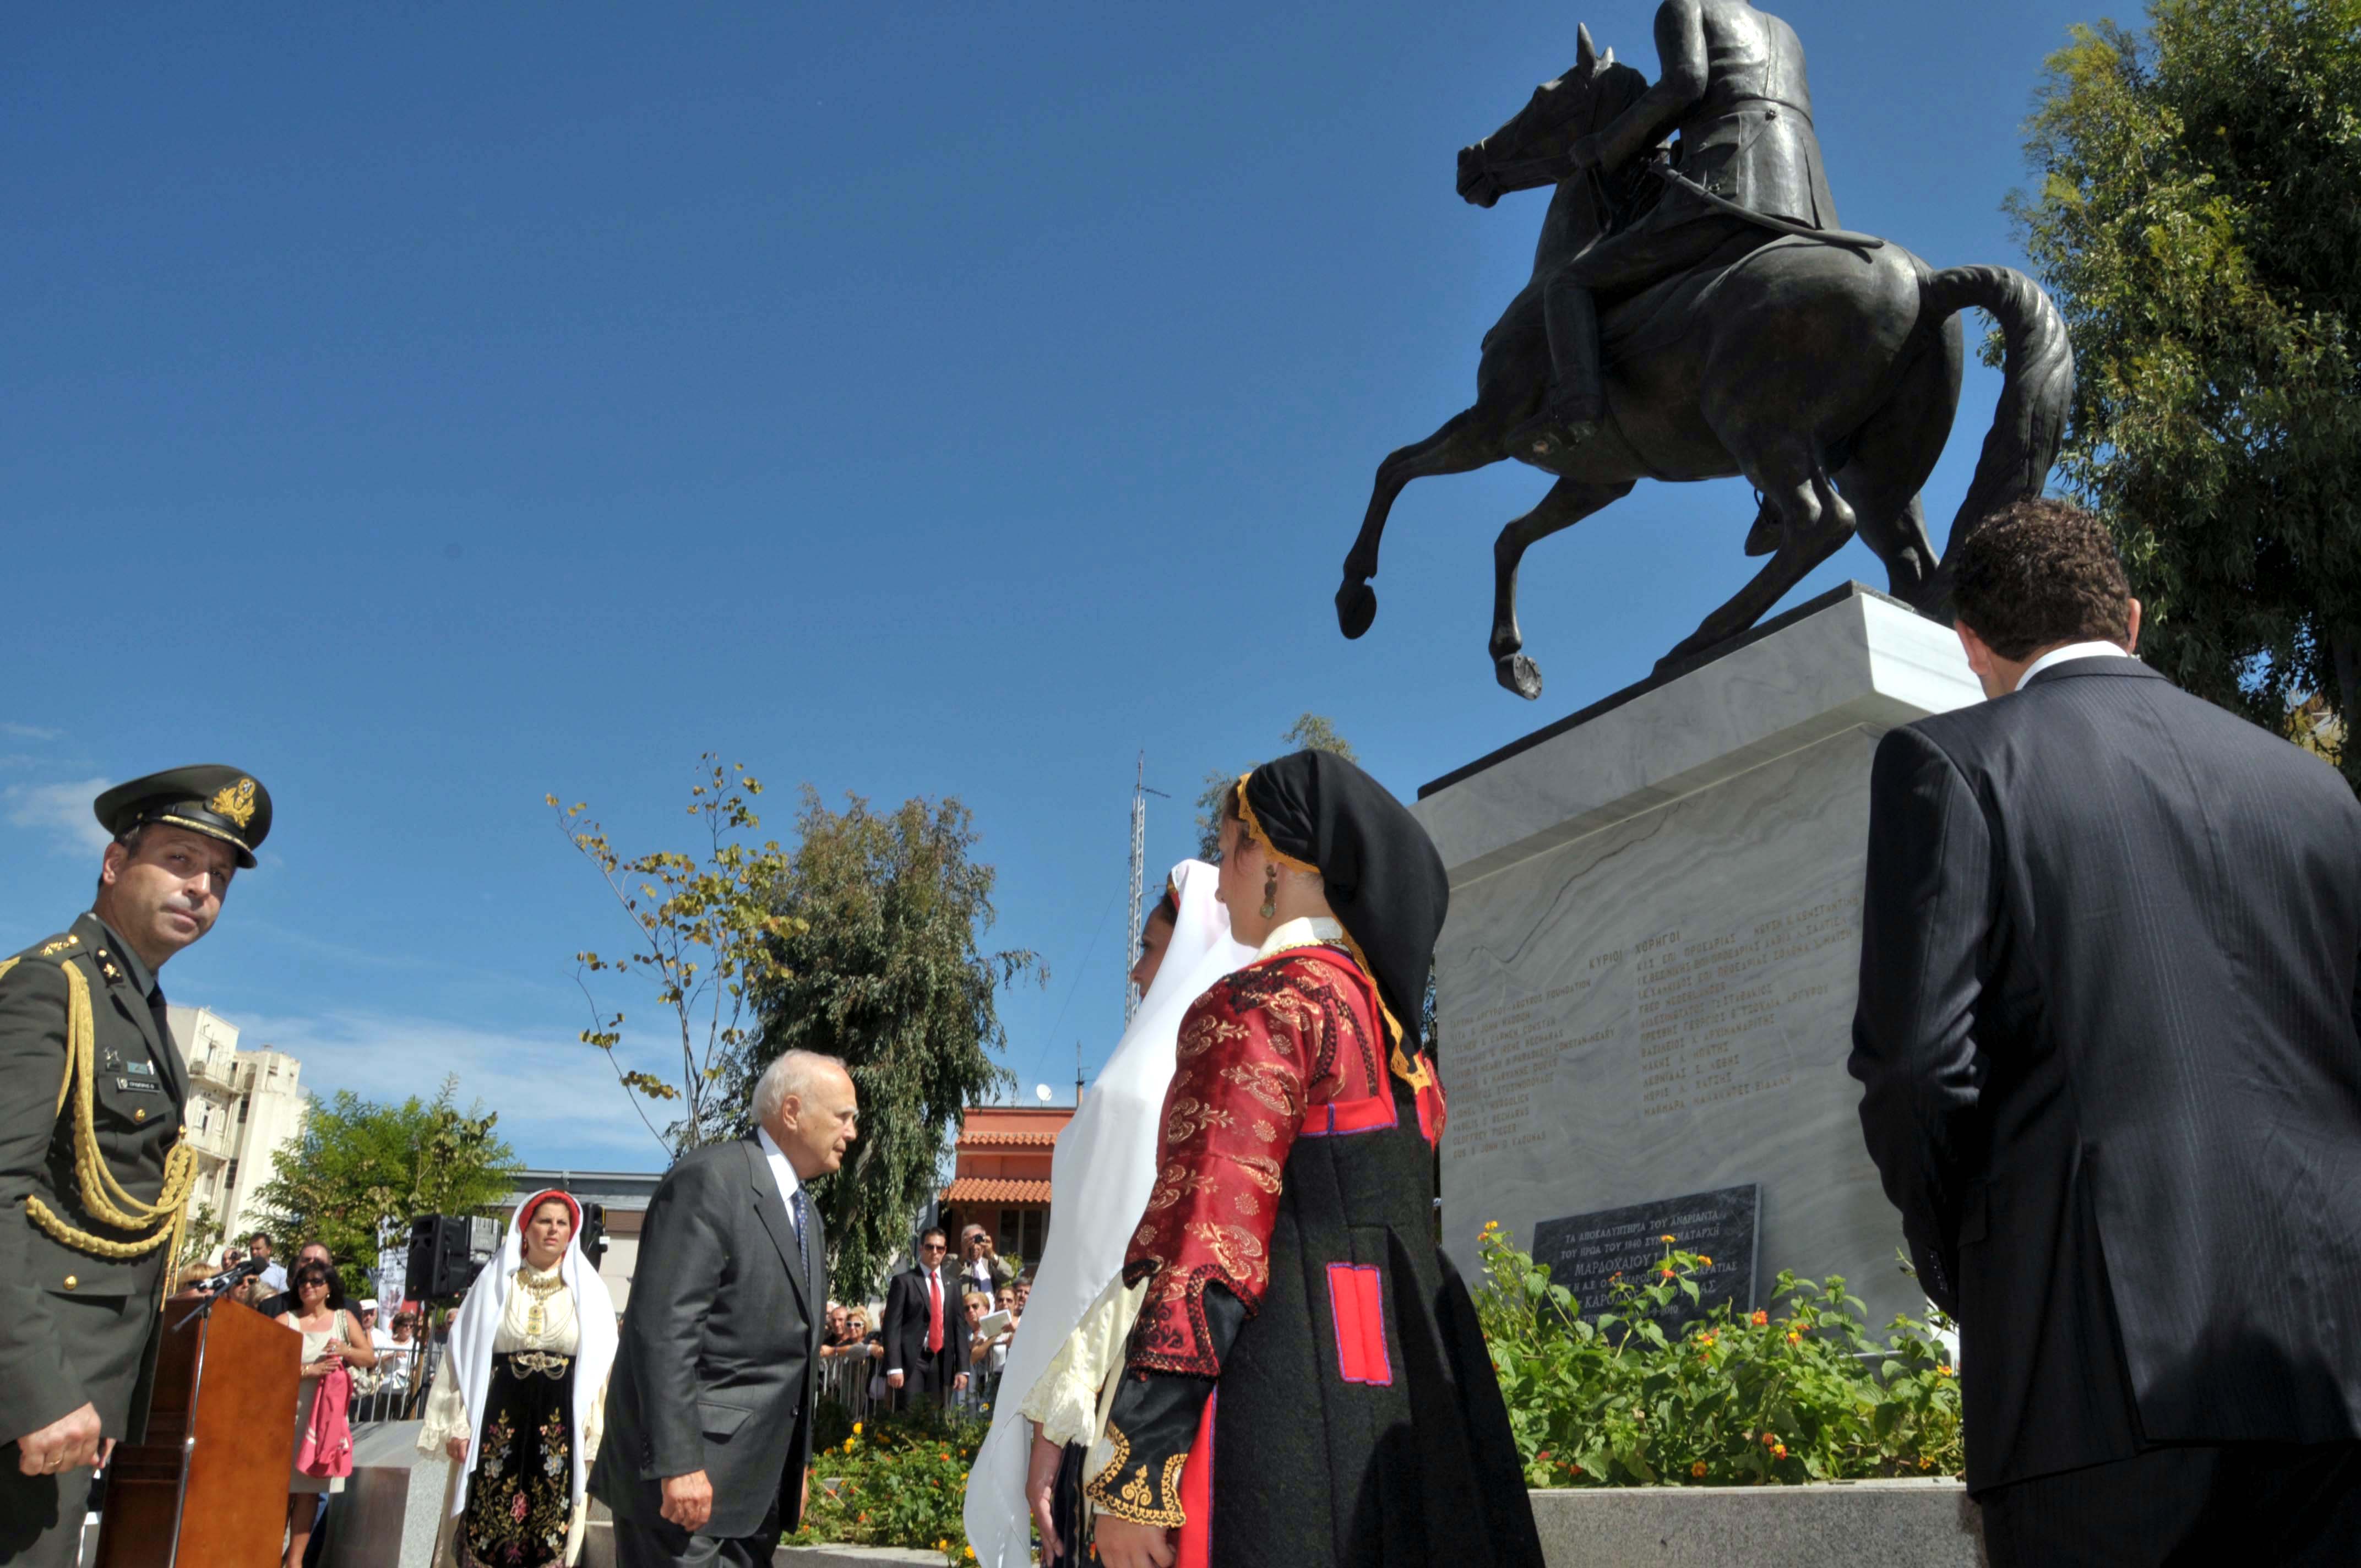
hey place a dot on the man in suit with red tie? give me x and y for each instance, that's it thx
(922, 1327)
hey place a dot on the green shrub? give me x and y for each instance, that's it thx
(1798, 1393)
(897, 1480)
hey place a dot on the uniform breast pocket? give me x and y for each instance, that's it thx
(130, 1098)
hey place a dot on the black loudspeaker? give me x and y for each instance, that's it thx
(594, 1233)
(446, 1253)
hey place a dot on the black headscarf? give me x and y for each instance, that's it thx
(1381, 871)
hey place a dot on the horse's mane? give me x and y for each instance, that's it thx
(1618, 87)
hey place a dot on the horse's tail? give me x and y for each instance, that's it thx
(2037, 385)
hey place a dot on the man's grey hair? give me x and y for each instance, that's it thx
(794, 1072)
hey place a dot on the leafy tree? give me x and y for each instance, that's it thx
(1310, 732)
(201, 1238)
(358, 1161)
(877, 958)
(2196, 223)
(707, 933)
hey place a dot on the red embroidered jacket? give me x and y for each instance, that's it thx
(1265, 1048)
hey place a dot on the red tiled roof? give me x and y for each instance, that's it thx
(1007, 1140)
(991, 1190)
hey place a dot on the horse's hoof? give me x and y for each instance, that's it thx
(1357, 606)
(1764, 536)
(1519, 674)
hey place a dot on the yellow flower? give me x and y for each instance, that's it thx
(1666, 1240)
(1778, 1451)
(1943, 1370)
(1794, 1338)
(1704, 1261)
(848, 1445)
(942, 1546)
(856, 1429)
(971, 1553)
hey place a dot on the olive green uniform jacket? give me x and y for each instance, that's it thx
(60, 1347)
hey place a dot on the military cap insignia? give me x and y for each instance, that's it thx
(235, 802)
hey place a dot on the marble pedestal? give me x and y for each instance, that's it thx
(1646, 986)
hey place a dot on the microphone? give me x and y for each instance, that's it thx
(229, 1277)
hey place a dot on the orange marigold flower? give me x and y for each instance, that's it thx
(1668, 1274)
(1704, 1261)
(1668, 1241)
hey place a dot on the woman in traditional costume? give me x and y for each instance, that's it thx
(1306, 1382)
(521, 1393)
(1102, 1168)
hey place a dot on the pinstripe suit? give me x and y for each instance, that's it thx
(2110, 1039)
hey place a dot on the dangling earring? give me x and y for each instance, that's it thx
(1269, 891)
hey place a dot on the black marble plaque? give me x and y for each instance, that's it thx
(1584, 1252)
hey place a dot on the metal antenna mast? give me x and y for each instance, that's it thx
(1139, 793)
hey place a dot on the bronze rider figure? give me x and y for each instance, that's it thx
(1732, 86)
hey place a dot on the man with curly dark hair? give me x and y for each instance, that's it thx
(2110, 1039)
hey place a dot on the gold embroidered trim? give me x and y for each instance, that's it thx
(207, 828)
(1253, 825)
(1134, 1500)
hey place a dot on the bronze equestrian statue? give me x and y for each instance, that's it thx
(1696, 314)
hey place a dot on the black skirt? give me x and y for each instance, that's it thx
(520, 1493)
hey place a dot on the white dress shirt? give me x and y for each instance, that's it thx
(2070, 650)
(780, 1172)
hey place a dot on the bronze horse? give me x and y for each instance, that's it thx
(1826, 374)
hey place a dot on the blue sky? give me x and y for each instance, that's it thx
(429, 408)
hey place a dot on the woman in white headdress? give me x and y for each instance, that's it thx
(1101, 1172)
(517, 1402)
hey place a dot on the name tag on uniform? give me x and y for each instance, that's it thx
(138, 1086)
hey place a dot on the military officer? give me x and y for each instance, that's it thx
(93, 1175)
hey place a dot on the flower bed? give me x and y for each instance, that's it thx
(1796, 1394)
(897, 1480)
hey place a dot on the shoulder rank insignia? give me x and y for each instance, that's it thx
(52, 949)
(235, 802)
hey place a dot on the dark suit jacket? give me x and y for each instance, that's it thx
(906, 1310)
(139, 1085)
(719, 1337)
(2110, 1035)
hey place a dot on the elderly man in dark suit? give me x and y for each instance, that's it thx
(709, 1406)
(2110, 1035)
(926, 1337)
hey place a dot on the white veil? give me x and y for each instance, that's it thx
(1099, 1180)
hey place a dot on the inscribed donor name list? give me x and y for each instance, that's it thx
(1646, 985)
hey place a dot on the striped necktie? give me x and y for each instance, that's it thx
(803, 1250)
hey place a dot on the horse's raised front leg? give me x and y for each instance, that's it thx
(1568, 502)
(1469, 440)
(1817, 522)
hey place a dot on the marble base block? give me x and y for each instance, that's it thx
(1646, 985)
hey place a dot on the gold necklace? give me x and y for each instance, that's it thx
(536, 1319)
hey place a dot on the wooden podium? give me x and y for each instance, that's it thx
(208, 1487)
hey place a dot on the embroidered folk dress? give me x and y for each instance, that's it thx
(1289, 1292)
(519, 1510)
